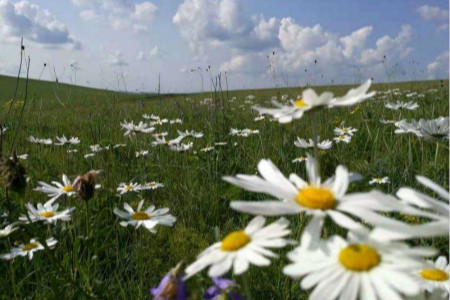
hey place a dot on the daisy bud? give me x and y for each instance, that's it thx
(171, 287)
(84, 185)
(12, 174)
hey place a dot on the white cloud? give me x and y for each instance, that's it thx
(119, 14)
(356, 41)
(144, 56)
(432, 13)
(116, 58)
(207, 24)
(24, 19)
(439, 67)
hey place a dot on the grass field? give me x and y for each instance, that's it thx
(98, 256)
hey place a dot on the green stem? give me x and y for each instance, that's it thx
(246, 283)
(436, 154)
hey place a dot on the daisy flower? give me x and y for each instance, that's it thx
(159, 122)
(131, 128)
(345, 130)
(176, 121)
(315, 198)
(181, 147)
(357, 268)
(207, 149)
(343, 138)
(125, 188)
(22, 156)
(142, 153)
(87, 155)
(152, 185)
(48, 213)
(65, 141)
(57, 189)
(7, 230)
(241, 248)
(310, 100)
(32, 139)
(148, 218)
(152, 117)
(163, 141)
(419, 204)
(434, 277)
(383, 121)
(160, 134)
(188, 133)
(259, 118)
(220, 143)
(299, 159)
(322, 145)
(119, 146)
(379, 180)
(28, 249)
(402, 105)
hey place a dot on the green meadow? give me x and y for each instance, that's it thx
(97, 258)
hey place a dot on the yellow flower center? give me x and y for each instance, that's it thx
(235, 241)
(152, 183)
(315, 198)
(345, 130)
(434, 274)
(300, 103)
(68, 188)
(140, 215)
(359, 257)
(341, 137)
(128, 187)
(47, 214)
(29, 246)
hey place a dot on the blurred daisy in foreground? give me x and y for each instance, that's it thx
(241, 248)
(65, 141)
(48, 213)
(434, 278)
(131, 129)
(402, 105)
(419, 204)
(7, 230)
(28, 249)
(131, 187)
(310, 100)
(148, 218)
(322, 145)
(357, 268)
(343, 138)
(379, 180)
(314, 198)
(57, 189)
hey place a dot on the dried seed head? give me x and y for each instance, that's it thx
(12, 174)
(84, 185)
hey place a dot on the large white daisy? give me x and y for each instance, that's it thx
(310, 100)
(316, 198)
(57, 189)
(148, 218)
(357, 268)
(241, 248)
(28, 249)
(48, 213)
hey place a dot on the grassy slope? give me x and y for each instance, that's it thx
(129, 262)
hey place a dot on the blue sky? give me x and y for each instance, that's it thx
(120, 44)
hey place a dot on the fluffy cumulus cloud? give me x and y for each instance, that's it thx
(147, 55)
(24, 19)
(439, 67)
(432, 13)
(119, 14)
(206, 24)
(212, 23)
(116, 58)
